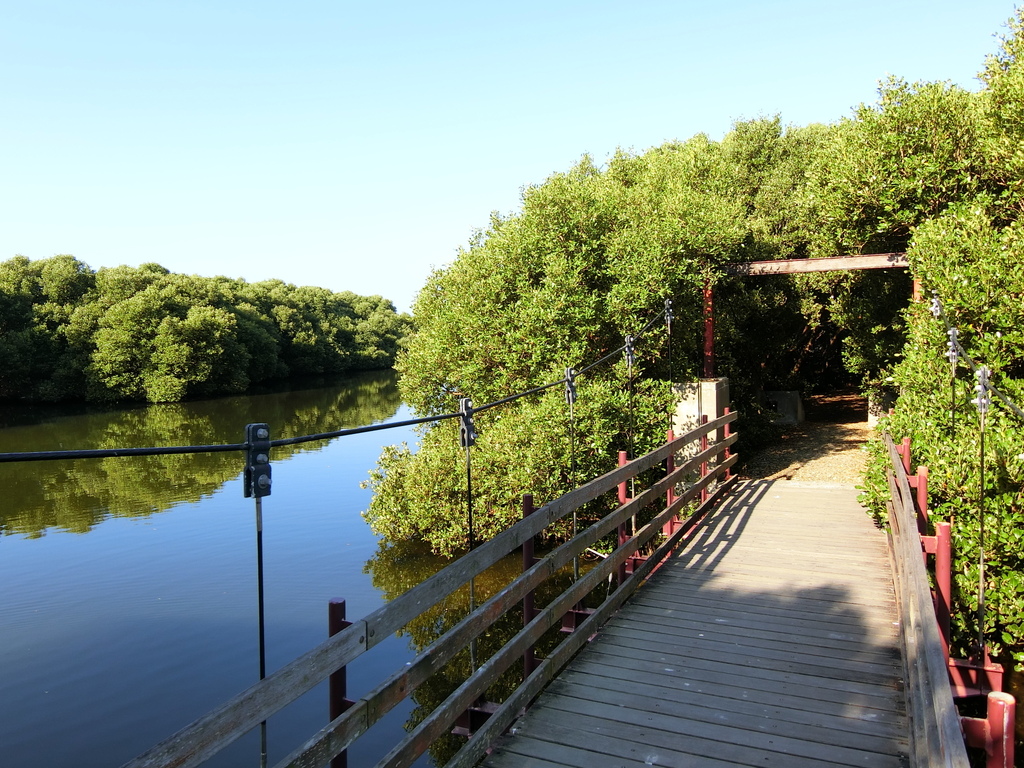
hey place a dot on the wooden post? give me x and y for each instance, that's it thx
(994, 732)
(1002, 710)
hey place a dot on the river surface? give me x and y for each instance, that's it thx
(129, 601)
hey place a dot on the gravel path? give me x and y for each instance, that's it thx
(825, 450)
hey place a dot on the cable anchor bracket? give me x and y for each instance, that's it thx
(467, 432)
(257, 461)
(570, 385)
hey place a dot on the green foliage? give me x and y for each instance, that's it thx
(930, 168)
(148, 335)
(969, 250)
(896, 164)
(590, 258)
(975, 267)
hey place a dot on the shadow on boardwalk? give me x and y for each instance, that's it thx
(769, 641)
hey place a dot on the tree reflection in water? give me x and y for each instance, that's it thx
(75, 495)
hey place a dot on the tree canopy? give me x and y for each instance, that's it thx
(930, 168)
(146, 334)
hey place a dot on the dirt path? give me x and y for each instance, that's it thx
(824, 450)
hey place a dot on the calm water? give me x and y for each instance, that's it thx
(129, 600)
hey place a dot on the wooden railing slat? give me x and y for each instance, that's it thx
(936, 737)
(442, 718)
(204, 737)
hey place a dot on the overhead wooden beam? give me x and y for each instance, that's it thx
(830, 264)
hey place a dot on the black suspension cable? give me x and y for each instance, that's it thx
(107, 453)
(650, 324)
(609, 356)
(517, 396)
(103, 453)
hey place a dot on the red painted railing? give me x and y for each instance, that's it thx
(968, 678)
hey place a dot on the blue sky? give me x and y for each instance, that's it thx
(358, 145)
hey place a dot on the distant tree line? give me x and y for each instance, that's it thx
(68, 332)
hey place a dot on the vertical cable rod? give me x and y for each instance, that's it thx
(467, 437)
(983, 401)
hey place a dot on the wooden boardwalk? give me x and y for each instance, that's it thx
(771, 640)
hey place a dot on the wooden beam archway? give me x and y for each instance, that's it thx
(792, 267)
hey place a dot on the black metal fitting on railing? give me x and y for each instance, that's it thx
(257, 461)
(570, 386)
(467, 432)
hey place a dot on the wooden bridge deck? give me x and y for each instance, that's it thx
(771, 640)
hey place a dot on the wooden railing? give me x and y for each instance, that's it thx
(932, 674)
(935, 736)
(208, 735)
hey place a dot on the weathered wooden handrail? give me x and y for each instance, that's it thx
(936, 738)
(209, 734)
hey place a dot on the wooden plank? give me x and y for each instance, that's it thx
(805, 591)
(587, 749)
(724, 726)
(614, 681)
(746, 655)
(669, 747)
(766, 679)
(742, 716)
(935, 733)
(746, 564)
(744, 649)
(704, 604)
(728, 616)
(829, 264)
(675, 628)
(801, 692)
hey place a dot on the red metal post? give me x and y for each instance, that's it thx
(670, 495)
(529, 658)
(623, 461)
(703, 465)
(622, 537)
(943, 581)
(726, 432)
(993, 733)
(1002, 714)
(709, 330)
(904, 451)
(338, 685)
(922, 499)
